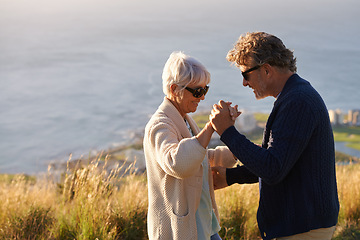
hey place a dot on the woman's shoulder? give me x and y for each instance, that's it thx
(159, 119)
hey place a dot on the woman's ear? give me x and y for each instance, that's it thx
(173, 89)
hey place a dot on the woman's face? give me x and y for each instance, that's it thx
(186, 102)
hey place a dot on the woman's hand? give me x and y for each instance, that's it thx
(234, 112)
(223, 115)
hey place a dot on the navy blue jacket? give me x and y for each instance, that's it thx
(295, 166)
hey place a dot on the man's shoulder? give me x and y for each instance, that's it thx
(301, 98)
(299, 89)
(297, 84)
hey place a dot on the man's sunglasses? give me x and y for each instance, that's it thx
(244, 74)
(198, 92)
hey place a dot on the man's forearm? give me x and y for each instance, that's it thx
(240, 175)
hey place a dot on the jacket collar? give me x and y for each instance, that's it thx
(294, 80)
(171, 112)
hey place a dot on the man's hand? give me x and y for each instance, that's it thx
(223, 116)
(219, 177)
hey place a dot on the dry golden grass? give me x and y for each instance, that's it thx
(90, 203)
(238, 205)
(237, 208)
(348, 180)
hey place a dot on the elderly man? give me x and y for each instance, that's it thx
(295, 166)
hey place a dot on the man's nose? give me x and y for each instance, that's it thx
(245, 83)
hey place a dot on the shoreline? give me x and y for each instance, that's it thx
(130, 159)
(132, 152)
(132, 155)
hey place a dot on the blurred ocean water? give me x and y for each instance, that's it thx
(81, 76)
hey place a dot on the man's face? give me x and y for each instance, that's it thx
(253, 78)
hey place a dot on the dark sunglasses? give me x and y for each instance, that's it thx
(198, 92)
(244, 74)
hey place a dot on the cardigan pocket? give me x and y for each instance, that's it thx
(183, 227)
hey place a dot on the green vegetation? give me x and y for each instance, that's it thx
(8, 178)
(261, 117)
(349, 134)
(345, 158)
(201, 118)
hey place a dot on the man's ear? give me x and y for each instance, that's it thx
(268, 69)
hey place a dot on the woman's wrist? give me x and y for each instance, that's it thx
(209, 127)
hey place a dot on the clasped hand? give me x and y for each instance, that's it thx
(223, 116)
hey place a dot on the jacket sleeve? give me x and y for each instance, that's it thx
(179, 159)
(240, 175)
(289, 135)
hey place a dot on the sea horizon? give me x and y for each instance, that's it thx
(79, 77)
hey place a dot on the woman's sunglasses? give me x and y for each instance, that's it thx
(198, 92)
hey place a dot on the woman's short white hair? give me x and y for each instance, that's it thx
(182, 70)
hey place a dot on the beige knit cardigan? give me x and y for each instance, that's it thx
(174, 173)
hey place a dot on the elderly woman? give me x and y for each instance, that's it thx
(180, 184)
